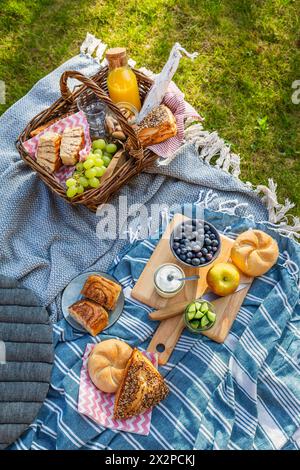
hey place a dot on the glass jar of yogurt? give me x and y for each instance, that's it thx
(166, 280)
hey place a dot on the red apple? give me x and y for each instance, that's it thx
(223, 278)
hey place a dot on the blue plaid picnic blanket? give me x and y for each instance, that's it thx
(243, 394)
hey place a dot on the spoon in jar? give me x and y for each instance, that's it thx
(171, 278)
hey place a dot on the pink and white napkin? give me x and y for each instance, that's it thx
(77, 119)
(100, 406)
(174, 99)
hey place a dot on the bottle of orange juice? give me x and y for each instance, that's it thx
(121, 81)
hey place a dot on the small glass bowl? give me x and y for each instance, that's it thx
(129, 111)
(179, 231)
(164, 293)
(187, 322)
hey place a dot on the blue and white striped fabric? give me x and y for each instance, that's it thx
(243, 394)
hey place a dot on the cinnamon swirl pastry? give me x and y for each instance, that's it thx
(103, 291)
(90, 315)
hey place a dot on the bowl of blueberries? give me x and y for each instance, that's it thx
(195, 243)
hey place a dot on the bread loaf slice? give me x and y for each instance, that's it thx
(158, 126)
(142, 387)
(48, 151)
(71, 143)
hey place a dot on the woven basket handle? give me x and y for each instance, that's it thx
(135, 146)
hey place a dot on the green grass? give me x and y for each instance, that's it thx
(241, 82)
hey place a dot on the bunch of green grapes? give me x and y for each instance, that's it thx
(88, 173)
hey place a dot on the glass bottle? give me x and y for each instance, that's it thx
(121, 81)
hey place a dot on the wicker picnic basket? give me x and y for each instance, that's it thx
(134, 158)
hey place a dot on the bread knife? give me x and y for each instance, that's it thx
(176, 309)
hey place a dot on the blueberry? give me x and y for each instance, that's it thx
(214, 249)
(188, 227)
(176, 245)
(209, 257)
(178, 252)
(182, 257)
(189, 254)
(195, 261)
(188, 260)
(202, 260)
(207, 242)
(189, 247)
(204, 251)
(206, 228)
(215, 243)
(182, 242)
(177, 239)
(213, 236)
(183, 250)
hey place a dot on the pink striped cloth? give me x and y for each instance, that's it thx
(77, 119)
(174, 99)
(99, 406)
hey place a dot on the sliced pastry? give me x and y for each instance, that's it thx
(142, 387)
(90, 315)
(47, 154)
(102, 290)
(71, 143)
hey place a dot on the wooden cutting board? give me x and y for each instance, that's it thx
(169, 330)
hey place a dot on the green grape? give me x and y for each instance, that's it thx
(88, 164)
(70, 182)
(84, 181)
(94, 182)
(90, 155)
(111, 148)
(98, 162)
(76, 174)
(106, 160)
(79, 166)
(100, 170)
(80, 189)
(90, 173)
(72, 191)
(99, 144)
(98, 152)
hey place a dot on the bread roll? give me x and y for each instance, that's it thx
(158, 126)
(254, 252)
(107, 363)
